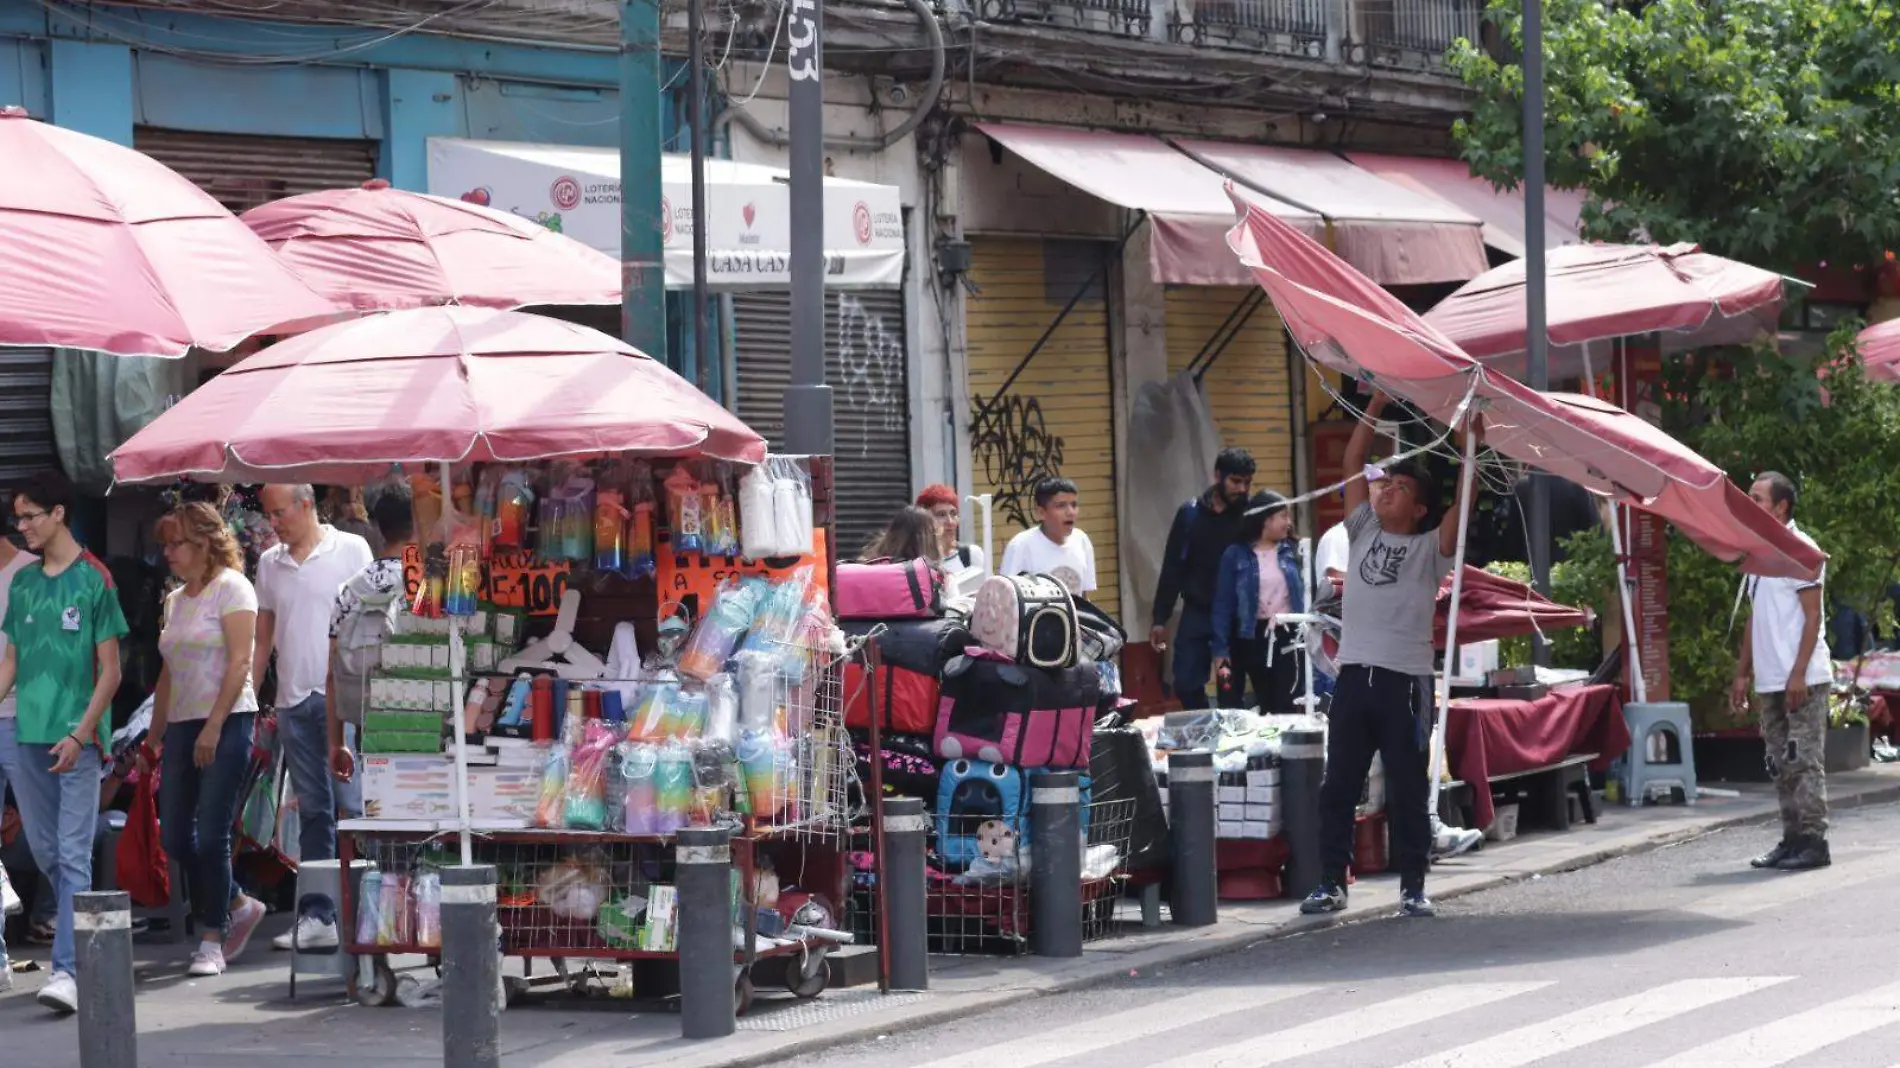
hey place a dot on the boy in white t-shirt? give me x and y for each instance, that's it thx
(1054, 547)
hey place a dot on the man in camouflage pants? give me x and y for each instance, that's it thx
(1783, 651)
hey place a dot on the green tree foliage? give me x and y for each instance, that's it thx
(1763, 129)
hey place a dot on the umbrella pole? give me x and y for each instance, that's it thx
(1639, 687)
(1311, 702)
(1437, 762)
(463, 823)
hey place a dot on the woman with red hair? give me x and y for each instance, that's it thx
(961, 561)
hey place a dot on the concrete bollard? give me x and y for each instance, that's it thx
(901, 874)
(102, 929)
(471, 968)
(708, 1007)
(1302, 770)
(1195, 897)
(1055, 857)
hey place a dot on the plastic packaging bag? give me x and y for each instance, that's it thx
(586, 779)
(791, 506)
(369, 908)
(758, 690)
(758, 529)
(683, 511)
(514, 506)
(766, 758)
(673, 787)
(649, 716)
(548, 810)
(780, 608)
(685, 717)
(718, 633)
(722, 710)
(429, 909)
(639, 763)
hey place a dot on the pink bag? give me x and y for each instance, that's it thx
(885, 590)
(1002, 712)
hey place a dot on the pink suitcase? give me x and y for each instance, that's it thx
(885, 590)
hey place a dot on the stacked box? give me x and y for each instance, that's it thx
(408, 787)
(503, 795)
(1249, 804)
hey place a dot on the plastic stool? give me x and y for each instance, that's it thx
(1665, 722)
(325, 877)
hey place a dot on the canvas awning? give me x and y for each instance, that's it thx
(576, 191)
(1394, 236)
(1450, 181)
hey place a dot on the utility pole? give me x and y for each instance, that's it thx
(696, 121)
(1536, 335)
(808, 412)
(642, 219)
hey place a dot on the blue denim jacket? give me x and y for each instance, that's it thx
(1237, 595)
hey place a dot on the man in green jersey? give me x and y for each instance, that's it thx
(63, 626)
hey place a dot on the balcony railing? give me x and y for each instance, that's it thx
(1122, 18)
(1416, 33)
(1296, 27)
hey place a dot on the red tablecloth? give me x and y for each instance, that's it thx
(1486, 737)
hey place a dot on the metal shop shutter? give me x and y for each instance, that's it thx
(1058, 416)
(243, 171)
(26, 424)
(1235, 335)
(867, 365)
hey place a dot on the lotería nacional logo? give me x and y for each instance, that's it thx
(565, 193)
(861, 222)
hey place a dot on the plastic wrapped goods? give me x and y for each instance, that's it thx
(758, 527)
(586, 805)
(549, 810)
(429, 909)
(639, 764)
(718, 633)
(673, 787)
(722, 710)
(683, 514)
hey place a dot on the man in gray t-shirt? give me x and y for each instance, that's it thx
(1382, 700)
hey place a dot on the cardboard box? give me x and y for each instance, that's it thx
(408, 787)
(1233, 812)
(502, 793)
(1263, 795)
(1258, 829)
(1477, 659)
(1263, 777)
(1231, 795)
(1230, 829)
(1262, 813)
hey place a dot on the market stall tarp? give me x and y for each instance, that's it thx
(373, 248)
(1502, 211)
(1492, 606)
(1349, 324)
(106, 249)
(449, 384)
(1494, 736)
(576, 191)
(1597, 292)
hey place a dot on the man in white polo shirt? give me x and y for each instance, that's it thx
(297, 584)
(1783, 651)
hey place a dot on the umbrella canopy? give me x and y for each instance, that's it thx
(1598, 292)
(340, 404)
(374, 248)
(1344, 321)
(1492, 606)
(105, 248)
(1880, 350)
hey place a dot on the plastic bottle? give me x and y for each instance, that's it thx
(639, 764)
(673, 787)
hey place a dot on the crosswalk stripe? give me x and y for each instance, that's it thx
(1102, 1032)
(1777, 889)
(1797, 1035)
(1534, 1042)
(1346, 1028)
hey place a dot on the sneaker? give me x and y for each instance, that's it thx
(1452, 841)
(6, 975)
(41, 934)
(208, 961)
(1774, 857)
(1808, 853)
(241, 926)
(1326, 897)
(60, 994)
(1415, 903)
(308, 935)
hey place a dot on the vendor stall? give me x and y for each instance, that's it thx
(617, 626)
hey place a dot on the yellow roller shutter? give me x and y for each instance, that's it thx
(1057, 417)
(1247, 385)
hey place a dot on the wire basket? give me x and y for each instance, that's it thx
(810, 785)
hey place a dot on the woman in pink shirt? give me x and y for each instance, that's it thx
(1259, 579)
(203, 717)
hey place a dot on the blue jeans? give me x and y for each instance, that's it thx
(1193, 656)
(60, 812)
(197, 809)
(305, 729)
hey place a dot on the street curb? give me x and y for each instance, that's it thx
(1197, 952)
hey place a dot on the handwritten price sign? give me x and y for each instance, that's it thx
(509, 580)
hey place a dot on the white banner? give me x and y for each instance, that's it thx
(576, 191)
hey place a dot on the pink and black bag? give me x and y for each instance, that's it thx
(886, 590)
(1002, 712)
(1028, 618)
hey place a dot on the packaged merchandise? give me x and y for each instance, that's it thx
(639, 766)
(716, 636)
(428, 896)
(673, 787)
(550, 810)
(586, 807)
(369, 908)
(758, 531)
(722, 710)
(683, 511)
(514, 507)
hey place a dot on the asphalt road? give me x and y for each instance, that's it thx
(1683, 957)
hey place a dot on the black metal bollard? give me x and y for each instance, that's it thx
(1302, 770)
(471, 968)
(901, 875)
(1194, 900)
(1055, 857)
(704, 879)
(102, 929)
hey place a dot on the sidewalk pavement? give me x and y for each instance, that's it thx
(246, 1014)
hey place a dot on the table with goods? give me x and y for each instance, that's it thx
(591, 657)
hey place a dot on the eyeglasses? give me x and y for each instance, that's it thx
(21, 520)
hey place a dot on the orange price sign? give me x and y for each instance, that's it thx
(509, 580)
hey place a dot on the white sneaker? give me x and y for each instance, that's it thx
(310, 935)
(6, 975)
(1451, 841)
(240, 926)
(60, 994)
(208, 961)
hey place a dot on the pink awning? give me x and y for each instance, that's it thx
(1450, 181)
(1880, 350)
(1347, 323)
(1392, 234)
(1492, 606)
